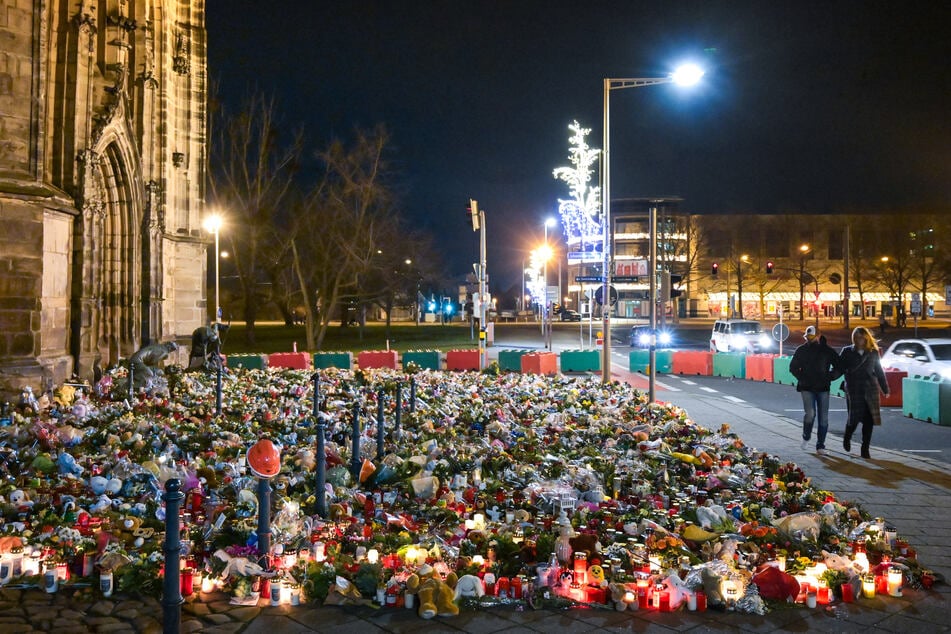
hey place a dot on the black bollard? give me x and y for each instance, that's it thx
(321, 468)
(131, 383)
(316, 379)
(355, 462)
(379, 423)
(264, 522)
(218, 390)
(412, 395)
(172, 549)
(399, 406)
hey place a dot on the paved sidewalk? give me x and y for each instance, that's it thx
(912, 493)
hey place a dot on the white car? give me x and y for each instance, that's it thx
(739, 335)
(920, 357)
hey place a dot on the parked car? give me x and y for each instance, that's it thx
(739, 335)
(570, 315)
(640, 337)
(920, 357)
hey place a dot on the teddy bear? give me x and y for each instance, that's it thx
(469, 586)
(435, 596)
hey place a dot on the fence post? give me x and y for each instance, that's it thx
(380, 395)
(355, 462)
(399, 406)
(264, 522)
(321, 468)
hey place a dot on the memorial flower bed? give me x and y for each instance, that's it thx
(493, 488)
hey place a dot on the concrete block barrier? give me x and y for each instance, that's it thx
(511, 360)
(729, 364)
(462, 360)
(342, 360)
(426, 359)
(580, 360)
(540, 363)
(289, 360)
(695, 362)
(377, 359)
(759, 367)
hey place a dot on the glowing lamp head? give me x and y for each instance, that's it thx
(687, 75)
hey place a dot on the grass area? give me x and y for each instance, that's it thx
(271, 337)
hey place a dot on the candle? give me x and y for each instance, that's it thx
(105, 583)
(581, 569)
(50, 581)
(207, 585)
(848, 592)
(319, 551)
(692, 602)
(373, 556)
(6, 569)
(868, 586)
(275, 592)
(295, 594)
(701, 601)
(822, 596)
(286, 592)
(187, 582)
(811, 599)
(861, 561)
(894, 581)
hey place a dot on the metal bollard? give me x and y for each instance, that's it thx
(264, 522)
(380, 395)
(316, 379)
(172, 549)
(218, 388)
(131, 382)
(321, 468)
(412, 395)
(399, 406)
(355, 462)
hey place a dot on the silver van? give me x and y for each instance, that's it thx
(739, 335)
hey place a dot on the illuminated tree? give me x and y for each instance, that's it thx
(580, 214)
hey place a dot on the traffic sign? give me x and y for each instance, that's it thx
(780, 332)
(599, 295)
(589, 278)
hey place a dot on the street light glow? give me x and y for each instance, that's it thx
(213, 223)
(687, 75)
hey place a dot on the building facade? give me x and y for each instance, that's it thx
(102, 182)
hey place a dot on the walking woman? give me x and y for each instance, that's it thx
(864, 377)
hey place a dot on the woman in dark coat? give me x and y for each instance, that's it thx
(864, 377)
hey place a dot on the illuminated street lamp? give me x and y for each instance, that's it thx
(803, 252)
(213, 224)
(546, 316)
(686, 75)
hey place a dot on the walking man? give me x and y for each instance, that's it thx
(815, 365)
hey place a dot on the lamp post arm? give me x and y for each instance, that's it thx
(636, 82)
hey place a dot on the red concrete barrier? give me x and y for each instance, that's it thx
(759, 367)
(462, 360)
(292, 360)
(377, 359)
(894, 380)
(540, 363)
(697, 362)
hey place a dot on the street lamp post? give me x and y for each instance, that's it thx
(213, 224)
(803, 251)
(546, 315)
(685, 75)
(739, 282)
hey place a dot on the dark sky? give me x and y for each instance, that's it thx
(807, 107)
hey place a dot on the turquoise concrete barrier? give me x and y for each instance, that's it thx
(729, 364)
(580, 360)
(248, 361)
(324, 360)
(922, 399)
(781, 373)
(426, 359)
(639, 361)
(511, 360)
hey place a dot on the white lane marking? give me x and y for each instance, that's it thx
(733, 399)
(709, 389)
(799, 409)
(686, 382)
(922, 450)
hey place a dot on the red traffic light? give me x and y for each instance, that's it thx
(769, 268)
(714, 269)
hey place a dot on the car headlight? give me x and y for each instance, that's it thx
(644, 339)
(946, 374)
(663, 338)
(764, 341)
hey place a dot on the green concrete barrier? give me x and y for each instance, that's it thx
(248, 361)
(729, 364)
(781, 373)
(639, 361)
(425, 359)
(580, 360)
(926, 399)
(511, 360)
(324, 360)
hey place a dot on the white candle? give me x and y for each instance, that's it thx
(373, 556)
(894, 582)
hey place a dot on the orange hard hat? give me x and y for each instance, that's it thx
(264, 458)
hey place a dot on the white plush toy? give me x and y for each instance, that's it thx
(469, 586)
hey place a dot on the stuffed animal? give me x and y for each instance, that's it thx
(469, 586)
(434, 595)
(624, 596)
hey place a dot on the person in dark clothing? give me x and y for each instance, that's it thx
(815, 365)
(864, 378)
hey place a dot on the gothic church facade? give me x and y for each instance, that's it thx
(102, 182)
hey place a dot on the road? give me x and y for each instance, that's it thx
(897, 431)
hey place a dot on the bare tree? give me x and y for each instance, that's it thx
(251, 177)
(345, 220)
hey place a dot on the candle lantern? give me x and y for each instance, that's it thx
(318, 551)
(581, 569)
(207, 585)
(823, 593)
(373, 556)
(868, 586)
(187, 582)
(894, 581)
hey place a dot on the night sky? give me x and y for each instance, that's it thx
(807, 107)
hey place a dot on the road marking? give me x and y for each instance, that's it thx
(922, 450)
(686, 382)
(709, 389)
(799, 409)
(733, 399)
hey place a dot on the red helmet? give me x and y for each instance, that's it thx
(264, 459)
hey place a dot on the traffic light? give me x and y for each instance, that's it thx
(714, 269)
(674, 281)
(769, 268)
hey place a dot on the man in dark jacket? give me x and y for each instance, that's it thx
(815, 365)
